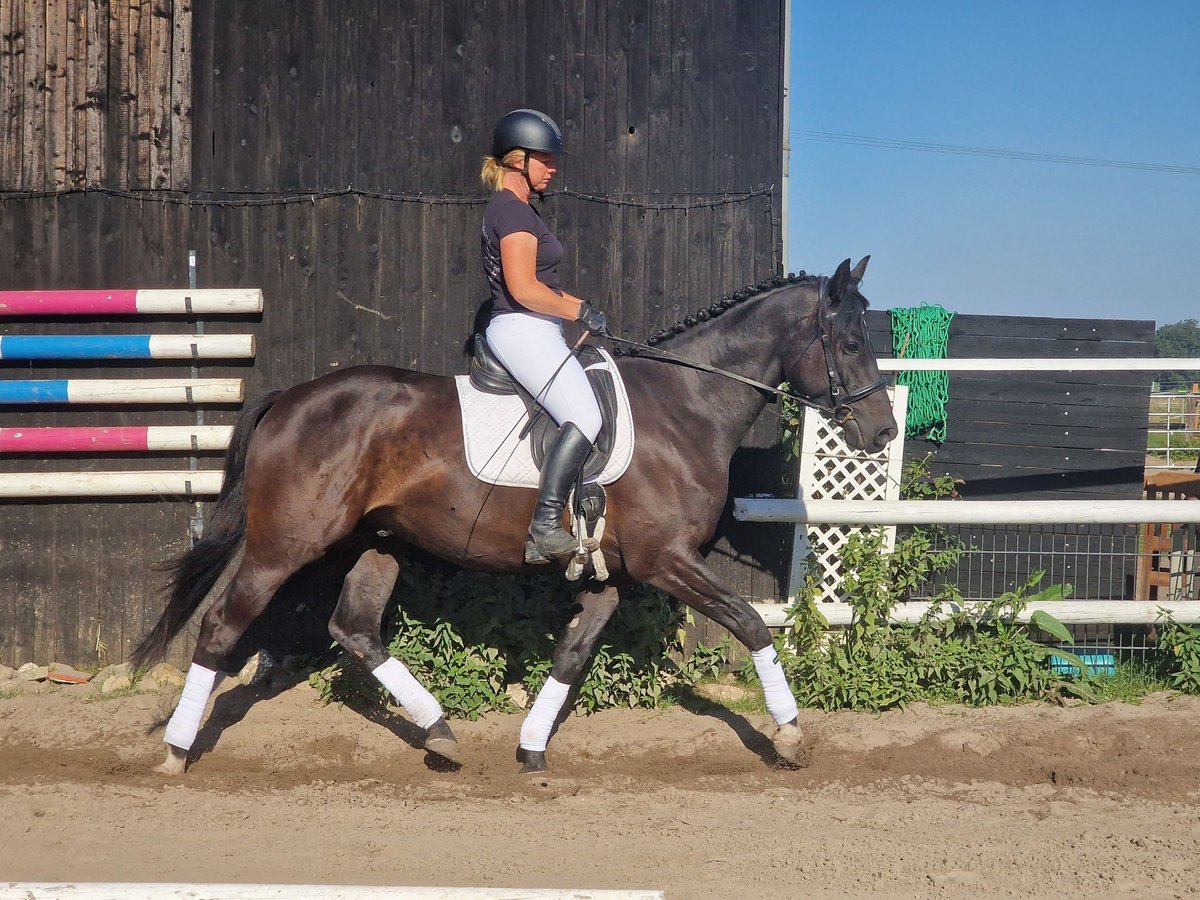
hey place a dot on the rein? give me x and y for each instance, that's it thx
(840, 412)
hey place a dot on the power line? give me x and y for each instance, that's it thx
(957, 150)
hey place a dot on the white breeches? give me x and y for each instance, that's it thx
(532, 349)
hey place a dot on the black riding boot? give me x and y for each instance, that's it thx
(547, 537)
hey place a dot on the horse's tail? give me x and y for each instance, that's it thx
(194, 573)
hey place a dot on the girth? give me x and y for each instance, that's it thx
(488, 374)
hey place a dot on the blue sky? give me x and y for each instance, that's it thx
(1099, 80)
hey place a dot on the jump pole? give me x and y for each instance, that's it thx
(208, 301)
(49, 485)
(14, 890)
(127, 346)
(131, 439)
(123, 390)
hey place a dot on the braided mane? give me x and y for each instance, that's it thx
(728, 302)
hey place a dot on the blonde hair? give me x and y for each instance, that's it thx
(493, 171)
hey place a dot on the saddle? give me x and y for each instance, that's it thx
(488, 374)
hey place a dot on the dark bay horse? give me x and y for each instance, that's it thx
(382, 448)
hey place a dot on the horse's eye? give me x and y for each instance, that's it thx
(853, 346)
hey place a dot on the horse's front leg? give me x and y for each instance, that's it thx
(570, 656)
(688, 579)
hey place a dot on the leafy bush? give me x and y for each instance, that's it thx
(466, 636)
(1179, 654)
(975, 657)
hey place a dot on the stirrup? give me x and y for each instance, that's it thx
(534, 555)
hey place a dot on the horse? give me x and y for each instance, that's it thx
(381, 448)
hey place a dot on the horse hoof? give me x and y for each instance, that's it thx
(788, 742)
(174, 764)
(440, 740)
(534, 761)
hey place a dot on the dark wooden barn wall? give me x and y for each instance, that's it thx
(95, 92)
(1046, 436)
(672, 115)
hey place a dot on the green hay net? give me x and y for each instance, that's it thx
(922, 332)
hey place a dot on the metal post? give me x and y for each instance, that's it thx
(196, 519)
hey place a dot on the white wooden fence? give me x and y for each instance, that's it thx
(994, 512)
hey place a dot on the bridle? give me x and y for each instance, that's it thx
(841, 395)
(840, 411)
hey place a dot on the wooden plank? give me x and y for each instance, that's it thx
(427, 75)
(1089, 435)
(12, 94)
(996, 482)
(1016, 412)
(75, 76)
(97, 76)
(145, 94)
(1120, 379)
(1045, 328)
(637, 87)
(57, 101)
(1067, 395)
(203, 66)
(769, 117)
(157, 95)
(407, 265)
(34, 173)
(116, 167)
(1062, 459)
(726, 173)
(680, 159)
(699, 122)
(742, 137)
(1017, 346)
(545, 73)
(659, 97)
(590, 124)
(180, 101)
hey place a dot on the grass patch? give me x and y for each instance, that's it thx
(1130, 682)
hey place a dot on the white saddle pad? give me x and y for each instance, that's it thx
(491, 424)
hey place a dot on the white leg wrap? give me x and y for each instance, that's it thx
(420, 705)
(781, 703)
(185, 721)
(535, 730)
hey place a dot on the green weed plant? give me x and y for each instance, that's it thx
(468, 636)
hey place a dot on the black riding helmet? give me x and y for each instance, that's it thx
(526, 129)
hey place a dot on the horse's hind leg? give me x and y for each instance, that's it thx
(223, 625)
(570, 656)
(356, 624)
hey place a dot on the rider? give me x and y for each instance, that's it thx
(520, 261)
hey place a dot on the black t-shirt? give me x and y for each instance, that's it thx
(507, 214)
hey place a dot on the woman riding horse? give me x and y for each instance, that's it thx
(379, 450)
(520, 261)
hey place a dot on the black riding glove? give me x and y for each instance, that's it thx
(592, 319)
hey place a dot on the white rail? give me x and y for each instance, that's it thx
(1070, 612)
(16, 890)
(1081, 364)
(965, 512)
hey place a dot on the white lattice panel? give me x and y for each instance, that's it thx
(830, 470)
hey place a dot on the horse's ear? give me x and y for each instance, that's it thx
(860, 270)
(840, 281)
